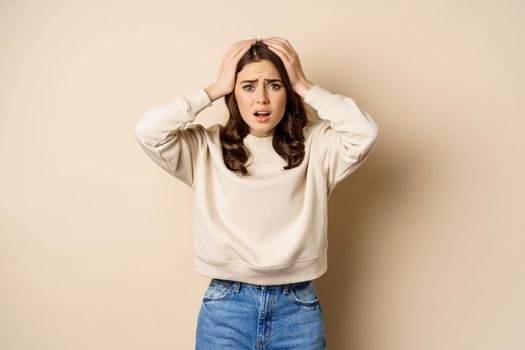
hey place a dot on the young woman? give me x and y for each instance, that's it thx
(261, 184)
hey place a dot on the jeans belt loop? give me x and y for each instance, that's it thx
(236, 286)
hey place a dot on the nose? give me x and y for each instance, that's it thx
(262, 97)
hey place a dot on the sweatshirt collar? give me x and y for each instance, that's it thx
(252, 138)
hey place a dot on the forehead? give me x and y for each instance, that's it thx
(262, 69)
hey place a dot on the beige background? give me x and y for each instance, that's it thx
(426, 238)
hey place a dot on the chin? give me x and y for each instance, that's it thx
(266, 131)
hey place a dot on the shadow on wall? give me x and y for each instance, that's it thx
(355, 205)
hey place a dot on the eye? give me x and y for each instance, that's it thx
(274, 86)
(247, 87)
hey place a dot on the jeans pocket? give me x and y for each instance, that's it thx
(218, 289)
(304, 294)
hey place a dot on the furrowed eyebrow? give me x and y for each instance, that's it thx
(267, 80)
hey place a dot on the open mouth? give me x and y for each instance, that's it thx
(262, 116)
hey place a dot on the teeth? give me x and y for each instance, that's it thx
(262, 113)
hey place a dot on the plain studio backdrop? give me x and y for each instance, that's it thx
(426, 239)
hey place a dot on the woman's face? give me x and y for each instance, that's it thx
(261, 97)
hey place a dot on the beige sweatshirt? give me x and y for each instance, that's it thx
(269, 227)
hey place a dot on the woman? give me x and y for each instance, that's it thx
(261, 186)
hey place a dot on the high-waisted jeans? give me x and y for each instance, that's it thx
(238, 315)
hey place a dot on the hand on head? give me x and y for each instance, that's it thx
(291, 61)
(225, 82)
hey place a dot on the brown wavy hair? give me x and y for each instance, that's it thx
(288, 138)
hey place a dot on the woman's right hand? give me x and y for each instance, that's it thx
(226, 81)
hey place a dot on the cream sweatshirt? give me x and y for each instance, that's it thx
(269, 227)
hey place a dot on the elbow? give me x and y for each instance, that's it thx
(139, 132)
(143, 131)
(371, 140)
(373, 129)
(375, 133)
(368, 141)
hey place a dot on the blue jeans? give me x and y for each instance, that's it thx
(238, 315)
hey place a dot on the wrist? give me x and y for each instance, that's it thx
(303, 87)
(214, 92)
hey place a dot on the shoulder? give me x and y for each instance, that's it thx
(214, 129)
(212, 133)
(209, 131)
(204, 137)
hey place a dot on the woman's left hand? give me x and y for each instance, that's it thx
(290, 58)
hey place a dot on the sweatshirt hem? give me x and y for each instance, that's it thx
(298, 271)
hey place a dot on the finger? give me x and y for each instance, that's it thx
(236, 56)
(245, 48)
(247, 41)
(283, 55)
(286, 56)
(240, 45)
(239, 49)
(284, 42)
(278, 45)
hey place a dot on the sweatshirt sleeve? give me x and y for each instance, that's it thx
(163, 134)
(345, 136)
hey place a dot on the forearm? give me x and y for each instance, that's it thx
(345, 136)
(214, 92)
(342, 112)
(158, 124)
(303, 87)
(162, 133)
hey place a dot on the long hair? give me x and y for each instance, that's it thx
(288, 138)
